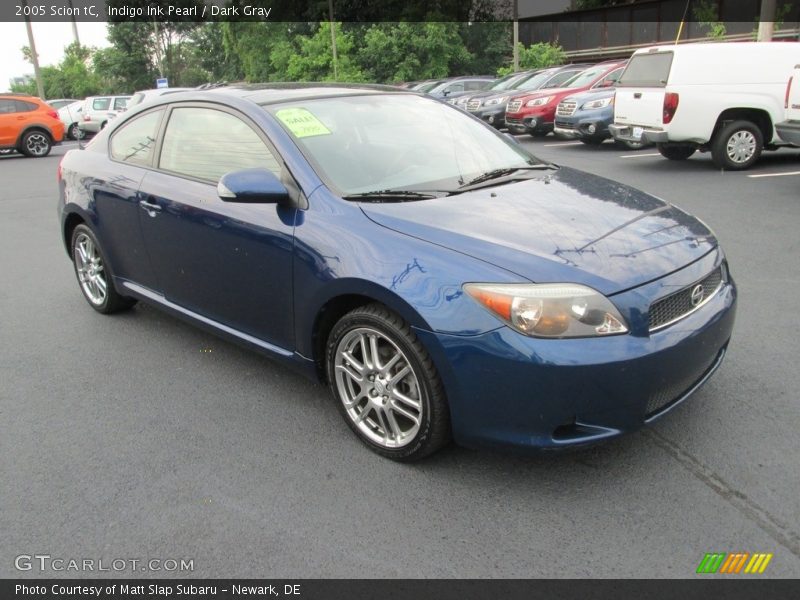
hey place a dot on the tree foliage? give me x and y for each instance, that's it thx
(537, 56)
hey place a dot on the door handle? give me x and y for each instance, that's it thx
(151, 208)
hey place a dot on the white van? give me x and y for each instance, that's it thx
(720, 97)
(789, 129)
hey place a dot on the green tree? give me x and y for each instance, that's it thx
(537, 56)
(313, 60)
(410, 51)
(71, 78)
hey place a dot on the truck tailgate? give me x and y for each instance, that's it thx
(639, 106)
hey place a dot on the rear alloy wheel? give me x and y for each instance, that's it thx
(93, 275)
(737, 146)
(385, 384)
(676, 152)
(36, 144)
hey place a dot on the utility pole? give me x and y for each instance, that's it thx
(333, 43)
(74, 24)
(516, 35)
(34, 55)
(766, 21)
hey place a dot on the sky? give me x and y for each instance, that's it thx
(50, 39)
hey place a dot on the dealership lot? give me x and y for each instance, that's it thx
(137, 436)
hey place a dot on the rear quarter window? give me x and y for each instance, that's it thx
(23, 106)
(101, 103)
(647, 70)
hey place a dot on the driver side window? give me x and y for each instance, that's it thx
(206, 143)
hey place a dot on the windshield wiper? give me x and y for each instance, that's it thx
(380, 195)
(497, 173)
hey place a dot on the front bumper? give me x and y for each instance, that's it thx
(588, 128)
(528, 124)
(789, 131)
(509, 390)
(625, 133)
(495, 116)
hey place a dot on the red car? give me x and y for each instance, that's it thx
(535, 112)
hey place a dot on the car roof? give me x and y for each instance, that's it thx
(273, 93)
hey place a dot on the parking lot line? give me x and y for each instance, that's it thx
(774, 174)
(640, 155)
(564, 144)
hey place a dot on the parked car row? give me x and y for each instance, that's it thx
(30, 126)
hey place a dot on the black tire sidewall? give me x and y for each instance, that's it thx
(675, 152)
(415, 449)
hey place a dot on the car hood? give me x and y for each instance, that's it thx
(562, 226)
(546, 92)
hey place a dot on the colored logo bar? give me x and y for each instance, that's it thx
(734, 562)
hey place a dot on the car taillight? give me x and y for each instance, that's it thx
(52, 113)
(788, 87)
(670, 106)
(87, 118)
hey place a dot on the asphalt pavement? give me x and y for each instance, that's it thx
(140, 437)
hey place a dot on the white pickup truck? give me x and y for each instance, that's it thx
(789, 130)
(720, 97)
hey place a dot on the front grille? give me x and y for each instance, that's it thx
(565, 125)
(473, 104)
(566, 108)
(514, 106)
(676, 306)
(675, 390)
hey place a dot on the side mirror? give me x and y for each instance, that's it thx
(254, 186)
(607, 84)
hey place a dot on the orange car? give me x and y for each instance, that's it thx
(28, 125)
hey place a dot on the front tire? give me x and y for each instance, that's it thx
(36, 144)
(385, 384)
(76, 133)
(675, 152)
(737, 146)
(94, 276)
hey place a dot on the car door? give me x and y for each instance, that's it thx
(117, 178)
(9, 126)
(229, 262)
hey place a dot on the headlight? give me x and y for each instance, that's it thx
(495, 101)
(550, 310)
(539, 101)
(594, 104)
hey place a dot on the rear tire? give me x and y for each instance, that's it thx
(676, 152)
(76, 133)
(737, 146)
(94, 276)
(386, 385)
(36, 144)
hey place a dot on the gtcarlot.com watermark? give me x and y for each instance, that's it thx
(57, 564)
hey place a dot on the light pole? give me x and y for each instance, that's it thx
(333, 43)
(34, 55)
(74, 24)
(516, 35)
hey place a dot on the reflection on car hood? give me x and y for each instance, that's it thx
(582, 97)
(565, 226)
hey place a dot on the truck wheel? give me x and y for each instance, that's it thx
(675, 152)
(737, 146)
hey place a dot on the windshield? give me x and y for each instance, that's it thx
(427, 87)
(506, 82)
(395, 141)
(536, 81)
(586, 77)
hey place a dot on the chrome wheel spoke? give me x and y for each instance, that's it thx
(368, 367)
(90, 270)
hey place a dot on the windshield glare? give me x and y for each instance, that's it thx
(536, 81)
(395, 141)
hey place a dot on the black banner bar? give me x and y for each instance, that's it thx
(731, 588)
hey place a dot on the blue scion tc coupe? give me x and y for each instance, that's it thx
(444, 284)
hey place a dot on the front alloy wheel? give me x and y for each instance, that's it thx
(386, 385)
